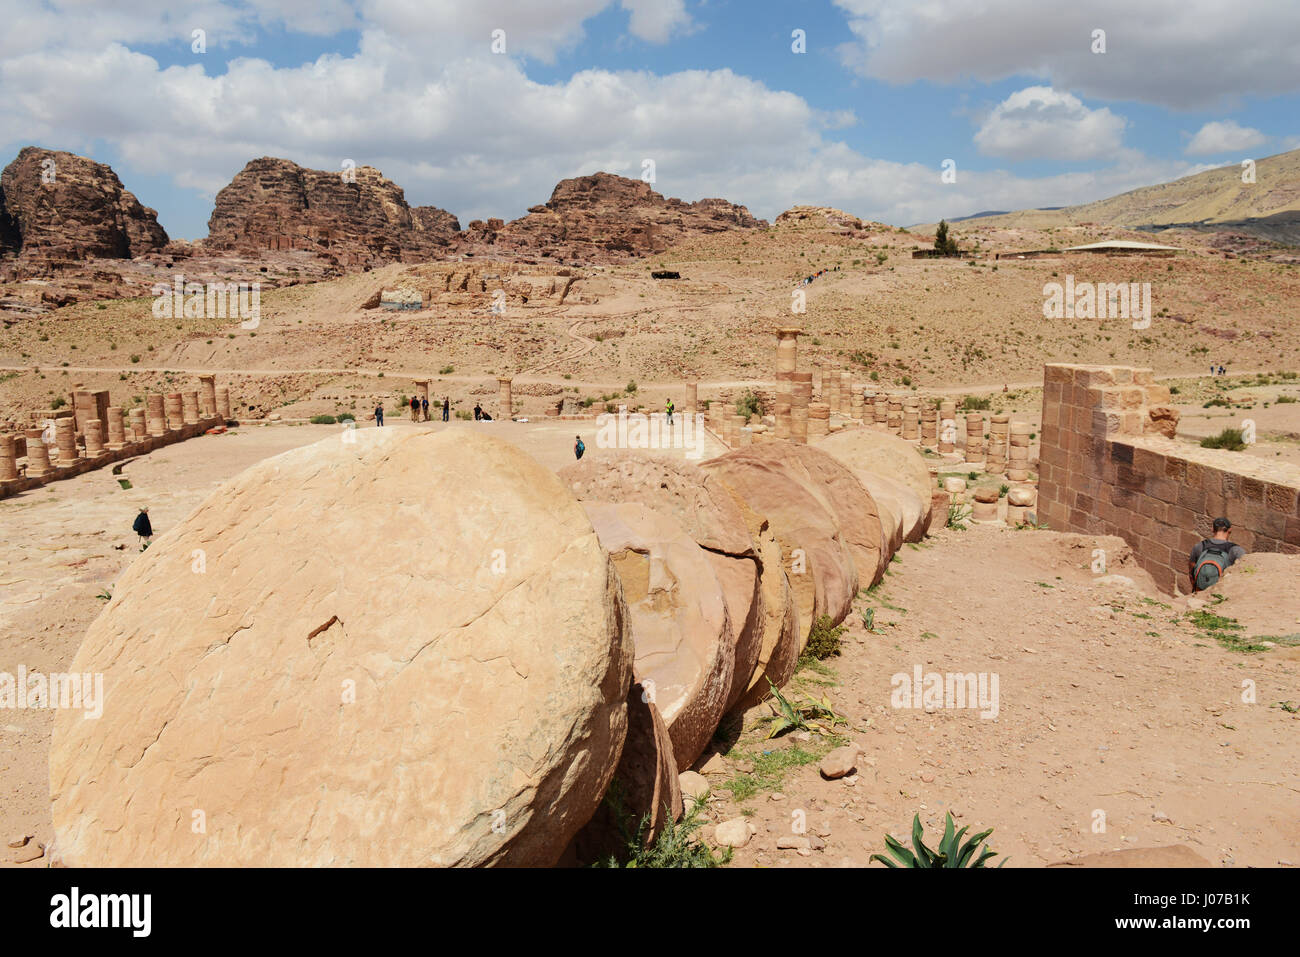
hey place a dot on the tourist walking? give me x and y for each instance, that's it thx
(578, 447)
(143, 527)
(379, 415)
(1211, 557)
(670, 411)
(424, 407)
(446, 408)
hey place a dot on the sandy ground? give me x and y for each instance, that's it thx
(1108, 698)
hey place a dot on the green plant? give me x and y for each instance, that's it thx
(1003, 489)
(869, 620)
(952, 852)
(972, 404)
(630, 388)
(1230, 439)
(676, 845)
(446, 370)
(823, 639)
(323, 420)
(749, 405)
(1226, 631)
(105, 595)
(807, 715)
(957, 515)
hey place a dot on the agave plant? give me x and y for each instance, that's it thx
(952, 852)
(808, 715)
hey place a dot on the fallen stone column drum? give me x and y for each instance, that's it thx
(8, 458)
(190, 407)
(38, 456)
(116, 428)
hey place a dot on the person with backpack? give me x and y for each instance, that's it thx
(143, 527)
(424, 408)
(1211, 557)
(415, 408)
(670, 411)
(578, 447)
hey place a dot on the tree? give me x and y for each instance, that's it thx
(944, 244)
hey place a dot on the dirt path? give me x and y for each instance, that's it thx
(1111, 708)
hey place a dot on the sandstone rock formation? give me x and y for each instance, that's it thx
(276, 204)
(604, 218)
(870, 452)
(404, 649)
(57, 206)
(679, 622)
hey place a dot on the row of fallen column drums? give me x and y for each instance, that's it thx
(160, 415)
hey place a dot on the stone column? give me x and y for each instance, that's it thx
(223, 404)
(801, 396)
(947, 426)
(894, 419)
(94, 438)
(38, 456)
(819, 420)
(974, 437)
(8, 458)
(737, 423)
(781, 409)
(858, 401)
(116, 428)
(1018, 452)
(787, 349)
(207, 396)
(846, 393)
(929, 426)
(65, 438)
(173, 405)
(880, 411)
(985, 508)
(139, 431)
(999, 429)
(692, 397)
(190, 408)
(504, 398)
(911, 419)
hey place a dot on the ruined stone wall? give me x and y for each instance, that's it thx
(1109, 465)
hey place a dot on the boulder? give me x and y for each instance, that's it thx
(406, 649)
(1021, 497)
(902, 505)
(805, 496)
(681, 630)
(869, 451)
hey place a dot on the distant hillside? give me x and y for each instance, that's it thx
(1216, 200)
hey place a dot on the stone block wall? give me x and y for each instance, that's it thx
(1109, 464)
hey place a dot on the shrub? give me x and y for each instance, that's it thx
(1229, 439)
(952, 852)
(630, 388)
(975, 404)
(448, 370)
(824, 639)
(323, 420)
(749, 405)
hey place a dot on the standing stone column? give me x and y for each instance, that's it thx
(94, 438)
(8, 458)
(207, 396)
(504, 398)
(911, 418)
(737, 426)
(999, 429)
(894, 420)
(156, 416)
(116, 428)
(174, 407)
(880, 411)
(223, 404)
(947, 426)
(846, 393)
(787, 349)
(38, 456)
(190, 408)
(819, 420)
(139, 431)
(1018, 452)
(65, 438)
(781, 408)
(858, 401)
(974, 437)
(801, 396)
(929, 426)
(692, 397)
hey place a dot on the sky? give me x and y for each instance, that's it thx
(481, 106)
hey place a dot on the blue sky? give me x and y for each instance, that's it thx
(1011, 90)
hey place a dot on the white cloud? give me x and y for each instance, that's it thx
(1179, 53)
(1041, 123)
(656, 20)
(1223, 137)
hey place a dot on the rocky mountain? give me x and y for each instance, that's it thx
(603, 218)
(358, 220)
(57, 207)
